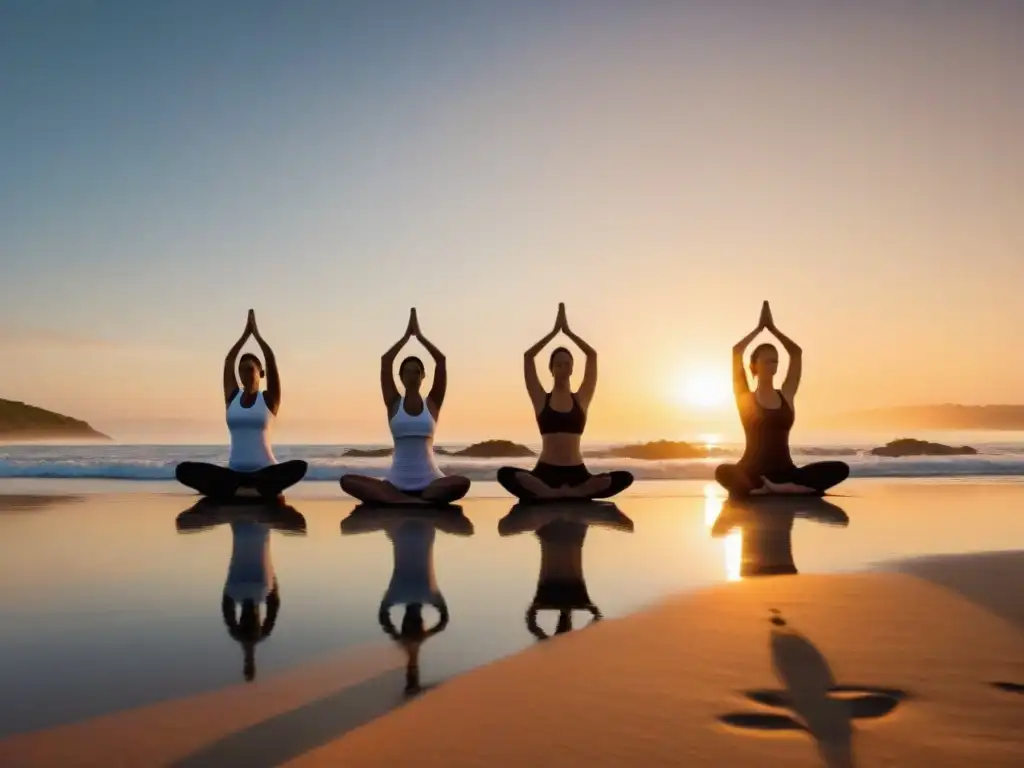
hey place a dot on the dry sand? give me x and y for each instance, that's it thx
(705, 679)
(661, 687)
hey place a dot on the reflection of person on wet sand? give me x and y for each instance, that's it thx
(767, 530)
(251, 582)
(412, 635)
(561, 585)
(247, 629)
(413, 583)
(209, 513)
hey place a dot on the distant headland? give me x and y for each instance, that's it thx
(948, 416)
(20, 422)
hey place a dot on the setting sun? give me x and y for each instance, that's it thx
(703, 389)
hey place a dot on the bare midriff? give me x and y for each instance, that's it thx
(561, 449)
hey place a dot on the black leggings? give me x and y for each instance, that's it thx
(221, 482)
(555, 476)
(819, 476)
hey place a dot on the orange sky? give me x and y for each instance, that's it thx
(662, 172)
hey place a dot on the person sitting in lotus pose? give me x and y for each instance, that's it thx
(414, 477)
(767, 415)
(561, 416)
(252, 466)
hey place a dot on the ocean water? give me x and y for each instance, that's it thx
(998, 458)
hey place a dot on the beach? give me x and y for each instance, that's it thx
(114, 640)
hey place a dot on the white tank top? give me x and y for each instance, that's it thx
(412, 578)
(412, 465)
(250, 434)
(251, 572)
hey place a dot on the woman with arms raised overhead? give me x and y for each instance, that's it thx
(561, 416)
(767, 415)
(414, 477)
(252, 467)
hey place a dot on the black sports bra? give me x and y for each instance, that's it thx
(570, 422)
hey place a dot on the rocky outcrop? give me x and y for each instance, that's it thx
(909, 447)
(658, 450)
(491, 449)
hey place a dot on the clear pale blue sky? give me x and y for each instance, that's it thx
(661, 167)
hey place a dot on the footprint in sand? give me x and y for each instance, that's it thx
(811, 700)
(1009, 687)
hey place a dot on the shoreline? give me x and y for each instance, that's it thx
(857, 594)
(914, 637)
(480, 489)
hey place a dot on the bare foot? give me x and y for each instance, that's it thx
(407, 499)
(543, 491)
(786, 488)
(571, 491)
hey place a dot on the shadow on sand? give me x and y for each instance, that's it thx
(277, 740)
(27, 503)
(819, 706)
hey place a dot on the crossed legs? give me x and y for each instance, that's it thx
(809, 480)
(372, 490)
(222, 482)
(574, 483)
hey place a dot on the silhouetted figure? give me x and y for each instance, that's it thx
(767, 415)
(251, 582)
(561, 417)
(411, 637)
(811, 701)
(766, 530)
(413, 584)
(252, 467)
(561, 585)
(248, 629)
(414, 477)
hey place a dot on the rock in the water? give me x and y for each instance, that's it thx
(368, 453)
(657, 451)
(909, 447)
(493, 449)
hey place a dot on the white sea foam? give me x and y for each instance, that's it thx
(328, 462)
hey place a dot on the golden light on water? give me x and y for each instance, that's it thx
(732, 545)
(733, 555)
(713, 498)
